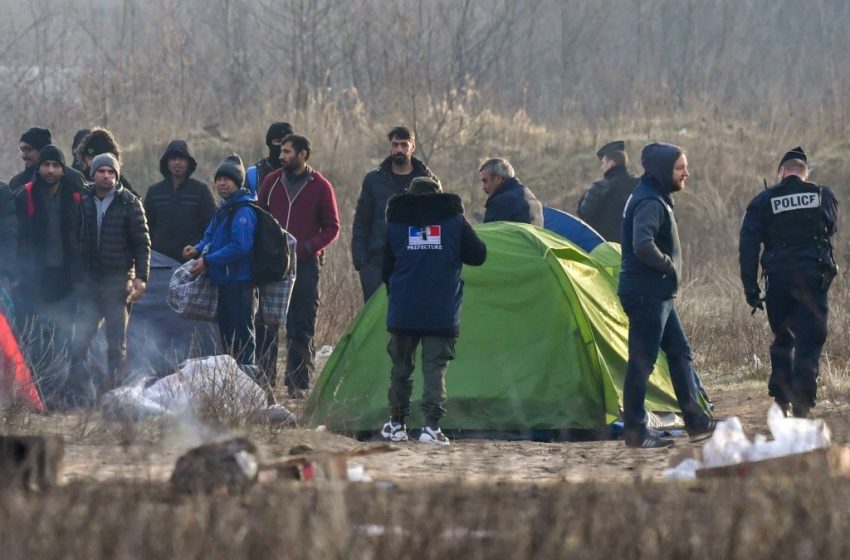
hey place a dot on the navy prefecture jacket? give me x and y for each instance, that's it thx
(427, 242)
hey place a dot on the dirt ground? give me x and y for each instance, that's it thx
(95, 450)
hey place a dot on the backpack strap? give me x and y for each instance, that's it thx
(251, 177)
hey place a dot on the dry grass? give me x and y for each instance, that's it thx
(790, 517)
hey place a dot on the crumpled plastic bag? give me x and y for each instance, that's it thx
(797, 435)
(727, 446)
(730, 446)
(214, 377)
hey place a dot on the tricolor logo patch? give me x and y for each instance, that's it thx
(427, 237)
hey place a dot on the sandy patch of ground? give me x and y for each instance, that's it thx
(98, 452)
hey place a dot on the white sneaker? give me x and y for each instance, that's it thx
(394, 431)
(436, 437)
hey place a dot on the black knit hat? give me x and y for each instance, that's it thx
(615, 146)
(233, 168)
(51, 153)
(795, 153)
(277, 131)
(37, 137)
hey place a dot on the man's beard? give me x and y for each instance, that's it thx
(677, 187)
(400, 159)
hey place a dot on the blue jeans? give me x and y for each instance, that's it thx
(653, 325)
(237, 304)
(797, 309)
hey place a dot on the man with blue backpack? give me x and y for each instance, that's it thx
(225, 254)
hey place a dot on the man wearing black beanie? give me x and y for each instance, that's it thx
(794, 222)
(49, 214)
(274, 137)
(32, 142)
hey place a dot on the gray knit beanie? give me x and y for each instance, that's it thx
(107, 160)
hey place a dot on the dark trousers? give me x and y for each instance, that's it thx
(237, 304)
(437, 351)
(797, 309)
(301, 324)
(267, 351)
(371, 278)
(104, 301)
(653, 325)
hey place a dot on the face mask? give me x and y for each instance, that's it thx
(274, 155)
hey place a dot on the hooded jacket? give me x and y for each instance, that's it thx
(178, 216)
(652, 256)
(229, 239)
(428, 240)
(370, 226)
(603, 203)
(513, 202)
(124, 246)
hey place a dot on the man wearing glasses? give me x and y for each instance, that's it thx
(32, 142)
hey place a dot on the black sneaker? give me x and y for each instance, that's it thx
(647, 441)
(705, 432)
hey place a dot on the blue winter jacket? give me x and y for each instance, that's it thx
(228, 241)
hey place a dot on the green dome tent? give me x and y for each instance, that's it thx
(542, 346)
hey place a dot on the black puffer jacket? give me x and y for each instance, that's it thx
(369, 230)
(125, 244)
(178, 217)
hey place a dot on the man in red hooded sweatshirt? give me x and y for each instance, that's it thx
(304, 203)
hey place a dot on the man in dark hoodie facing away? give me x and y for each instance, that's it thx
(649, 281)
(428, 240)
(179, 207)
(392, 177)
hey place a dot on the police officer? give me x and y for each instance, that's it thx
(794, 220)
(602, 204)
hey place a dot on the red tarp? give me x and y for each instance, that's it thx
(16, 383)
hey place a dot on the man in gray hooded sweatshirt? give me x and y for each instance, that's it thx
(649, 282)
